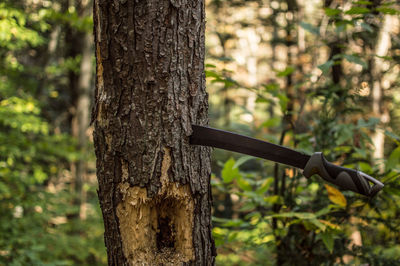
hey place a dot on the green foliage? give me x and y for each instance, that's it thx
(310, 28)
(272, 214)
(39, 222)
(13, 31)
(356, 10)
(264, 214)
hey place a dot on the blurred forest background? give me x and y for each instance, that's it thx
(319, 75)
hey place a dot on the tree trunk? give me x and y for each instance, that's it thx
(82, 120)
(80, 86)
(378, 107)
(154, 188)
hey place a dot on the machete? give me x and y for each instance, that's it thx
(344, 178)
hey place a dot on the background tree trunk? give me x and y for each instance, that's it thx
(379, 109)
(81, 43)
(154, 188)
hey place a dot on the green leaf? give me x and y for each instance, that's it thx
(343, 133)
(248, 206)
(327, 238)
(272, 87)
(233, 223)
(356, 10)
(289, 70)
(323, 211)
(39, 175)
(366, 27)
(370, 123)
(242, 160)
(388, 10)
(393, 176)
(394, 159)
(365, 167)
(243, 184)
(332, 12)
(211, 74)
(283, 101)
(229, 172)
(361, 152)
(263, 100)
(356, 59)
(310, 28)
(300, 215)
(392, 135)
(265, 186)
(5, 191)
(272, 122)
(318, 224)
(274, 199)
(367, 3)
(325, 67)
(341, 25)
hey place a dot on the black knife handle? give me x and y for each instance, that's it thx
(344, 178)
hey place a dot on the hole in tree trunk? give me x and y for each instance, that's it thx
(158, 229)
(165, 233)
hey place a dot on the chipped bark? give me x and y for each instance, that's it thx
(154, 187)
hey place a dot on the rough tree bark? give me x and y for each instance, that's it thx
(154, 187)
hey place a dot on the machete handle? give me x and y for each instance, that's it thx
(344, 178)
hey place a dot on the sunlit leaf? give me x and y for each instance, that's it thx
(283, 101)
(288, 70)
(390, 178)
(274, 199)
(356, 10)
(272, 87)
(357, 203)
(330, 225)
(212, 74)
(229, 172)
(394, 159)
(363, 3)
(388, 10)
(243, 183)
(300, 215)
(265, 186)
(365, 167)
(233, 223)
(336, 196)
(267, 238)
(332, 12)
(318, 224)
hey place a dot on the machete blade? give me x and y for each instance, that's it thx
(216, 138)
(345, 178)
